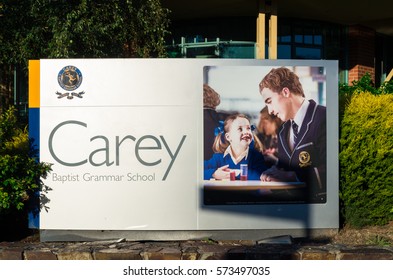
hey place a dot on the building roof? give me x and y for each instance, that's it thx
(377, 14)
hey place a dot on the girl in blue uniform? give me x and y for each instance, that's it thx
(234, 145)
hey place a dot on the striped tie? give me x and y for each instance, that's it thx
(295, 131)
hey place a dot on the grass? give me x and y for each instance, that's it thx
(378, 240)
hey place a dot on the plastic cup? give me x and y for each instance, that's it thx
(243, 172)
(232, 175)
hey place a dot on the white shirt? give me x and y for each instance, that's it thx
(299, 118)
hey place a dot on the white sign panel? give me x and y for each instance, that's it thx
(126, 140)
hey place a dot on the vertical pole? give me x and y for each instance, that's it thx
(260, 51)
(267, 10)
(273, 37)
(273, 32)
(15, 88)
(183, 47)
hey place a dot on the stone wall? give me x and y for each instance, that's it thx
(188, 250)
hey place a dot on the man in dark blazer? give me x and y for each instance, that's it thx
(302, 137)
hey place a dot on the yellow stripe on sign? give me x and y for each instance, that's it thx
(34, 84)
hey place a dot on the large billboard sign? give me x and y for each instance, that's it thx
(177, 144)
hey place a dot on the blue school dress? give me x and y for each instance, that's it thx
(254, 159)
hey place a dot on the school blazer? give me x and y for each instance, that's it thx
(308, 158)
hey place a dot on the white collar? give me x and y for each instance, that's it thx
(239, 158)
(301, 113)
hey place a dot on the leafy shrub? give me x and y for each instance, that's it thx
(386, 87)
(365, 84)
(20, 172)
(366, 160)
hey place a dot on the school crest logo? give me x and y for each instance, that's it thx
(70, 78)
(304, 159)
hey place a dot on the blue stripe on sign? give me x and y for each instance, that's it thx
(34, 136)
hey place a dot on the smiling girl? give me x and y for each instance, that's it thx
(234, 145)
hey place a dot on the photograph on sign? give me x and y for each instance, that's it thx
(264, 135)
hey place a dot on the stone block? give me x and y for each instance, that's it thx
(11, 254)
(365, 254)
(240, 253)
(117, 254)
(272, 252)
(39, 255)
(317, 255)
(161, 254)
(190, 253)
(213, 252)
(318, 252)
(74, 255)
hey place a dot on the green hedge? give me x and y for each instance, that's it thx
(366, 159)
(20, 172)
